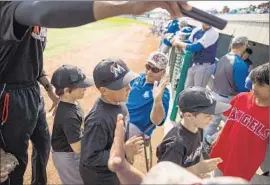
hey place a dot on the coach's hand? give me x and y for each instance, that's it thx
(117, 161)
(55, 101)
(158, 89)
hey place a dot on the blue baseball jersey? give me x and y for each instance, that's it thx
(209, 40)
(140, 103)
(230, 76)
(173, 27)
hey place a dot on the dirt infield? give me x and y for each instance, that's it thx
(132, 45)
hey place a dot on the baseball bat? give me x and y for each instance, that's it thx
(205, 17)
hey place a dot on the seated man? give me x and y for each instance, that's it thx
(148, 101)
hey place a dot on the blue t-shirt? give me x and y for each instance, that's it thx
(140, 103)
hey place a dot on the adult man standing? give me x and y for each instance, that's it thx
(148, 101)
(21, 60)
(229, 79)
(203, 43)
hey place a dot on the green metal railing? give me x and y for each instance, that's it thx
(179, 64)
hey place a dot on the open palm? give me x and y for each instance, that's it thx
(158, 89)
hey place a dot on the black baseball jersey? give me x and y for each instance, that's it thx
(98, 136)
(181, 147)
(67, 127)
(21, 48)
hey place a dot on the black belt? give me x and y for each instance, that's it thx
(223, 96)
(18, 86)
(201, 63)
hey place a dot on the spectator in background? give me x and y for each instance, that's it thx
(168, 35)
(246, 56)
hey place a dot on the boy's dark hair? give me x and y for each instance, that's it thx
(195, 114)
(260, 74)
(60, 92)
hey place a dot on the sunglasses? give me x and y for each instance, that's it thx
(153, 69)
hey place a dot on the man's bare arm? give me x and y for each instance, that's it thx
(157, 114)
(64, 14)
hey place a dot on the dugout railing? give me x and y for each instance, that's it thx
(179, 63)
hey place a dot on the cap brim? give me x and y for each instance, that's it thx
(182, 33)
(87, 82)
(154, 64)
(217, 108)
(122, 82)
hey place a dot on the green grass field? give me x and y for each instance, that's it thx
(60, 40)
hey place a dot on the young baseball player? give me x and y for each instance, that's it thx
(242, 144)
(112, 78)
(183, 143)
(70, 85)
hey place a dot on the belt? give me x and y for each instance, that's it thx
(18, 86)
(223, 96)
(201, 63)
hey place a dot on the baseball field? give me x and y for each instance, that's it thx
(84, 47)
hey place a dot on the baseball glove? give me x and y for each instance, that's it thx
(8, 162)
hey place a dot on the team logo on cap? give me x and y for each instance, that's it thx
(210, 97)
(117, 70)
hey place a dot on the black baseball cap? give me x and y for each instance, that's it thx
(68, 76)
(199, 99)
(113, 74)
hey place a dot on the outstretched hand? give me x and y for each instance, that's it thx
(117, 161)
(55, 100)
(158, 89)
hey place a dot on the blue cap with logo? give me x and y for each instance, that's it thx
(186, 31)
